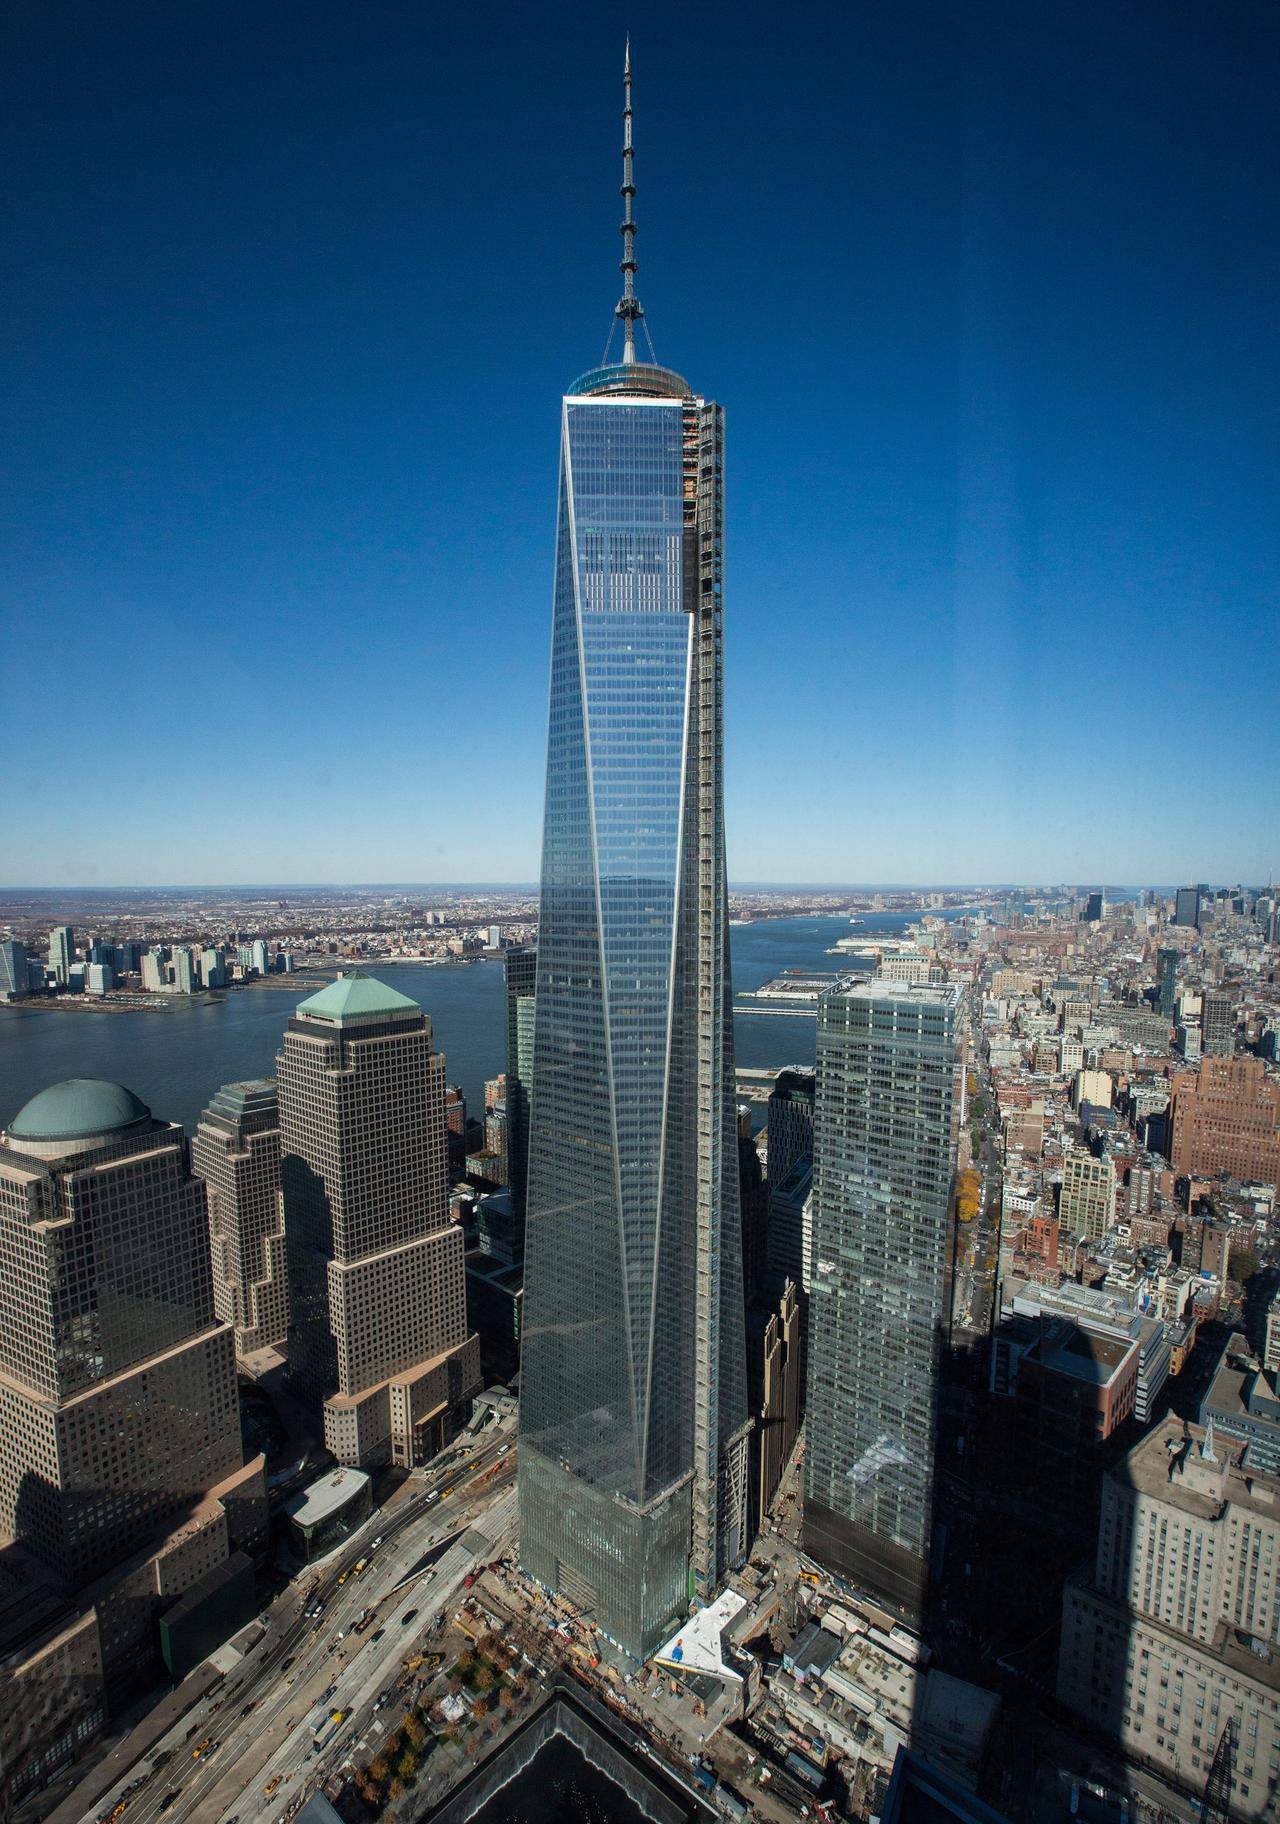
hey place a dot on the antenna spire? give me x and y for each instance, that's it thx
(629, 305)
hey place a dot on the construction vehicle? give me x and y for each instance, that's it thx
(365, 1621)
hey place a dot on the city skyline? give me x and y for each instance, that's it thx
(1034, 486)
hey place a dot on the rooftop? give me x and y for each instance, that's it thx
(325, 1497)
(79, 1109)
(355, 997)
(696, 1646)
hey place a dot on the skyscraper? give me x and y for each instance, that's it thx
(885, 1129)
(520, 970)
(124, 1495)
(237, 1152)
(633, 1398)
(1188, 905)
(789, 1121)
(1167, 996)
(1217, 1023)
(62, 952)
(378, 1320)
(14, 980)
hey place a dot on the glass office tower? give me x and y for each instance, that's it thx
(633, 1396)
(885, 1130)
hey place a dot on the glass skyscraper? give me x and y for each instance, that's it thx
(633, 1396)
(885, 1130)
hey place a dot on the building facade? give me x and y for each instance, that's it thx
(377, 1329)
(633, 1402)
(1217, 1024)
(1225, 1117)
(1087, 1201)
(1170, 1635)
(122, 1479)
(885, 1133)
(520, 978)
(15, 980)
(236, 1151)
(62, 953)
(789, 1121)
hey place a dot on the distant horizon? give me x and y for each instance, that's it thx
(85, 889)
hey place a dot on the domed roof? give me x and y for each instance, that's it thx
(77, 1110)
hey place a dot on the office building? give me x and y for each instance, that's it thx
(1217, 1024)
(155, 977)
(259, 960)
(62, 953)
(236, 1151)
(1087, 1200)
(1169, 1637)
(520, 974)
(1225, 1117)
(789, 1121)
(1095, 907)
(789, 1252)
(184, 969)
(15, 980)
(377, 1329)
(1243, 1402)
(1187, 907)
(99, 978)
(1271, 1347)
(775, 1372)
(213, 968)
(885, 1131)
(126, 1509)
(633, 1407)
(1167, 983)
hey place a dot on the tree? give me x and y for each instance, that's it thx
(484, 1678)
(378, 1769)
(407, 1765)
(479, 1709)
(414, 1733)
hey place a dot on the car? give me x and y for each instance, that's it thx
(377, 1634)
(270, 1786)
(286, 1663)
(200, 1748)
(377, 1542)
(244, 1712)
(445, 1495)
(170, 1798)
(407, 1617)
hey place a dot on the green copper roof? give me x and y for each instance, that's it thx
(78, 1109)
(355, 997)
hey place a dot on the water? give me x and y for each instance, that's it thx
(176, 1058)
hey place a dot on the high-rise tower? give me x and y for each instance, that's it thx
(633, 1398)
(237, 1153)
(885, 1131)
(378, 1319)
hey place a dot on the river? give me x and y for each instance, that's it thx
(177, 1057)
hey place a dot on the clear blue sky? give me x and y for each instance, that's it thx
(292, 292)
